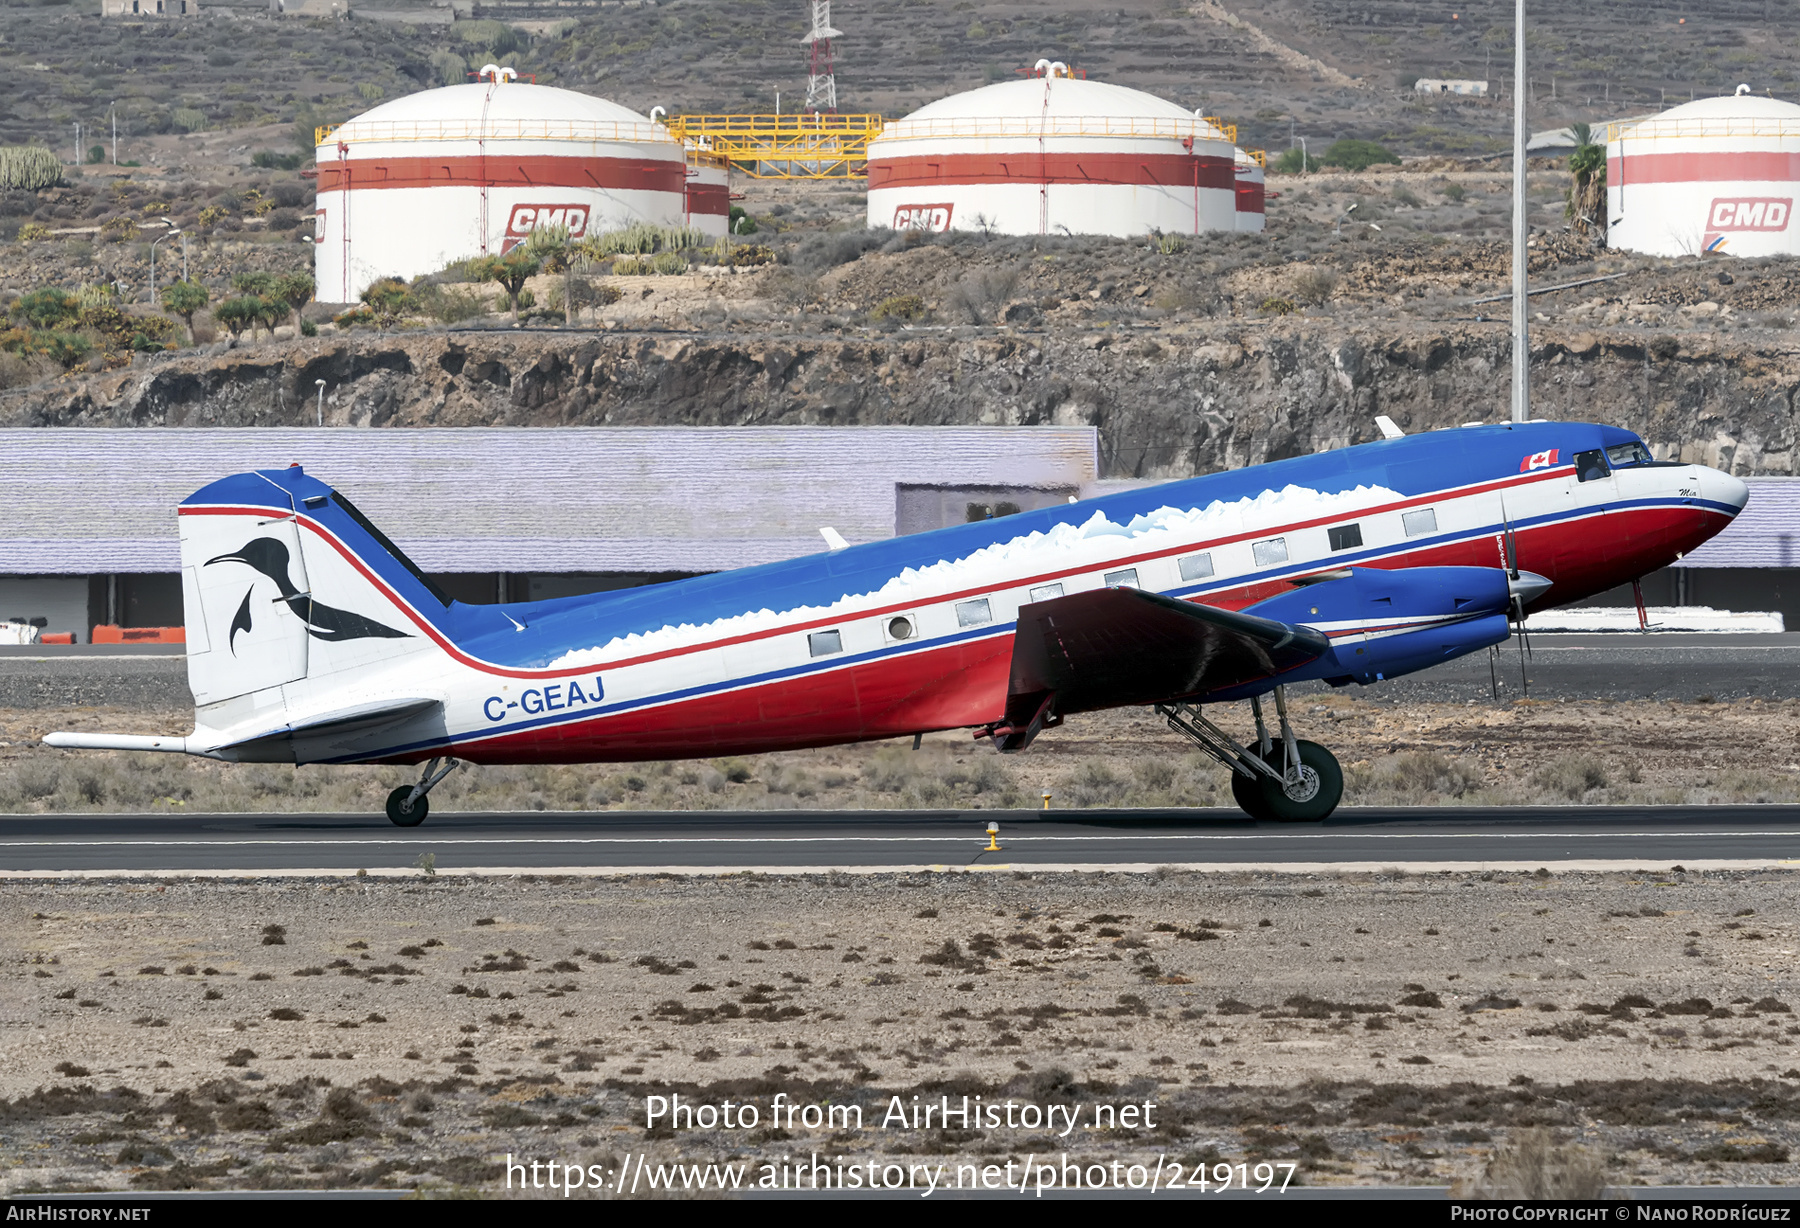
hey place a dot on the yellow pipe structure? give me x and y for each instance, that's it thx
(806, 146)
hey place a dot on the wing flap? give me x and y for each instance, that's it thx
(1114, 647)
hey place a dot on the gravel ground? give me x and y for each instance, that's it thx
(1368, 1029)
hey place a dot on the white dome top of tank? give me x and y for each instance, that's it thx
(502, 108)
(1715, 116)
(1067, 96)
(1057, 97)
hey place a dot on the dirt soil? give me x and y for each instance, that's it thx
(1369, 1029)
(1394, 753)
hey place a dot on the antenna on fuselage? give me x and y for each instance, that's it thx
(1521, 336)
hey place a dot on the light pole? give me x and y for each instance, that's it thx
(153, 244)
(1521, 326)
(1303, 156)
(1342, 217)
(176, 230)
(321, 384)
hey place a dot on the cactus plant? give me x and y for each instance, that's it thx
(28, 167)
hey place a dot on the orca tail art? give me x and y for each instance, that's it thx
(270, 557)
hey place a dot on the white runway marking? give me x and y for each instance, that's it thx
(1303, 868)
(421, 840)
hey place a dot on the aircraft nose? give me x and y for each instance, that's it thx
(1728, 489)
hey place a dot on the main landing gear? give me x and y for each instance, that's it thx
(407, 806)
(1280, 777)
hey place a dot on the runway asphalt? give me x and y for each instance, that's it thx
(1673, 665)
(1618, 837)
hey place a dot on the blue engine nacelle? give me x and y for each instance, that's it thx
(1386, 623)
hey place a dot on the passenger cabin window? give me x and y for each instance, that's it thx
(900, 628)
(1046, 592)
(1420, 522)
(1345, 536)
(974, 613)
(1122, 579)
(1622, 455)
(1268, 553)
(824, 643)
(1591, 466)
(1196, 567)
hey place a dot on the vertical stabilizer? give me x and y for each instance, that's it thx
(244, 598)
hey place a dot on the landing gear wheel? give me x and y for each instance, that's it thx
(1247, 793)
(1313, 797)
(400, 814)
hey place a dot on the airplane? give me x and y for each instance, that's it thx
(312, 639)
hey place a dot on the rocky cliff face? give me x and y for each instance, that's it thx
(1168, 402)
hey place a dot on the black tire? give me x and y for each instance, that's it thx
(402, 815)
(1249, 798)
(1320, 793)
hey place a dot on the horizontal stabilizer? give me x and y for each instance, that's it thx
(337, 722)
(116, 741)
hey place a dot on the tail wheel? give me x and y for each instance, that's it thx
(402, 813)
(1313, 797)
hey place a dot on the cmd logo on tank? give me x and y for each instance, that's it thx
(526, 218)
(933, 218)
(1754, 214)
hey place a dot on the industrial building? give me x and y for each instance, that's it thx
(88, 531)
(1054, 153)
(471, 170)
(1712, 175)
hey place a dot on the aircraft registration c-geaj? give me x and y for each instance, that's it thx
(312, 639)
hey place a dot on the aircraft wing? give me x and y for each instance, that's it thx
(1122, 646)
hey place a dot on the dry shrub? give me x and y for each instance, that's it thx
(1154, 775)
(1312, 285)
(1539, 1166)
(1095, 784)
(1426, 774)
(980, 297)
(22, 370)
(1571, 775)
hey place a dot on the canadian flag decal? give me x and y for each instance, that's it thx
(1538, 460)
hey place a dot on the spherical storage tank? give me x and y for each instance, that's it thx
(471, 170)
(1715, 174)
(1050, 154)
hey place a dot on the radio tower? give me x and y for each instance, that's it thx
(821, 85)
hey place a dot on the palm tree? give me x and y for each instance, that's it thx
(1587, 195)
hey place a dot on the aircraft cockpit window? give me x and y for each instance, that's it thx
(1196, 567)
(1633, 453)
(1345, 536)
(1121, 579)
(1591, 466)
(824, 643)
(1268, 553)
(974, 613)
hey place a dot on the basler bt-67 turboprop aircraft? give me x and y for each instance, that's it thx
(313, 640)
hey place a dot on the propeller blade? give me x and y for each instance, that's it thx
(1494, 674)
(1511, 540)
